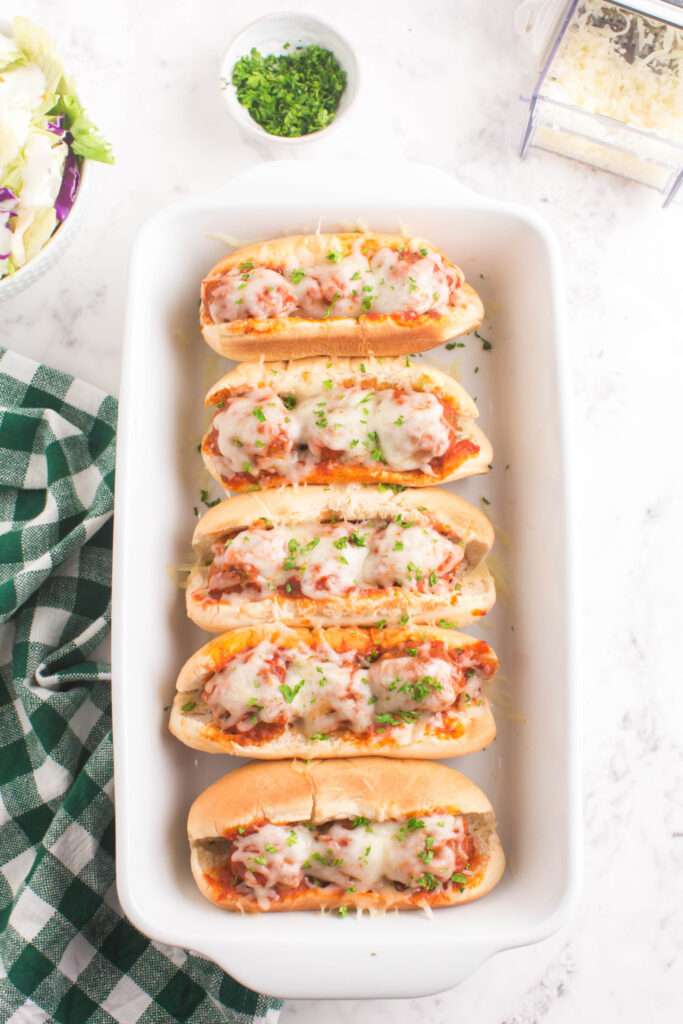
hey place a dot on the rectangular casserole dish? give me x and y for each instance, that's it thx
(530, 772)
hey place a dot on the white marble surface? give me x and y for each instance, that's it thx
(441, 81)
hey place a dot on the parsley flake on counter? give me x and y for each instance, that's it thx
(290, 94)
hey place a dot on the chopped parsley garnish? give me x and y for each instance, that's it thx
(412, 284)
(399, 546)
(374, 447)
(459, 878)
(327, 384)
(486, 501)
(340, 543)
(411, 825)
(433, 579)
(445, 624)
(404, 619)
(382, 624)
(289, 401)
(269, 848)
(413, 570)
(334, 257)
(427, 855)
(395, 488)
(400, 421)
(343, 910)
(297, 276)
(421, 689)
(247, 467)
(422, 251)
(246, 266)
(260, 860)
(357, 539)
(190, 706)
(485, 343)
(259, 414)
(290, 94)
(387, 719)
(328, 860)
(290, 692)
(204, 497)
(292, 838)
(318, 736)
(366, 303)
(428, 881)
(454, 344)
(356, 276)
(357, 822)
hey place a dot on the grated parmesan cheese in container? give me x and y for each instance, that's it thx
(618, 63)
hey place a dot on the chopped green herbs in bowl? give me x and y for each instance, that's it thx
(290, 94)
(289, 77)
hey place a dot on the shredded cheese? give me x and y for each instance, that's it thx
(619, 64)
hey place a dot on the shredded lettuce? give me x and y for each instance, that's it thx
(12, 175)
(40, 230)
(87, 141)
(10, 55)
(37, 46)
(61, 96)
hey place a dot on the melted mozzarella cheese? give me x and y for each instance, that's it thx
(407, 556)
(331, 560)
(258, 554)
(412, 282)
(260, 293)
(411, 684)
(249, 426)
(411, 427)
(338, 422)
(248, 690)
(332, 693)
(272, 856)
(360, 859)
(325, 691)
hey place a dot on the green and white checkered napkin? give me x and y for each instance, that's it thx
(68, 952)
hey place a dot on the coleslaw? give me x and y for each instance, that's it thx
(45, 135)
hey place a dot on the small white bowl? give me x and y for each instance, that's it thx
(268, 35)
(56, 244)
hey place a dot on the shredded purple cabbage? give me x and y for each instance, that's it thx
(69, 187)
(56, 124)
(7, 195)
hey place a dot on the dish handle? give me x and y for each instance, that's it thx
(368, 971)
(367, 181)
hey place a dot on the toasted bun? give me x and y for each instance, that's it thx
(303, 377)
(298, 337)
(289, 792)
(296, 506)
(198, 731)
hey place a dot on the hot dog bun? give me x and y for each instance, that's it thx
(296, 337)
(472, 597)
(304, 379)
(317, 792)
(192, 723)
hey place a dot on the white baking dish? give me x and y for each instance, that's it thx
(530, 772)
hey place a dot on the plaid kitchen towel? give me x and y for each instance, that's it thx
(68, 953)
